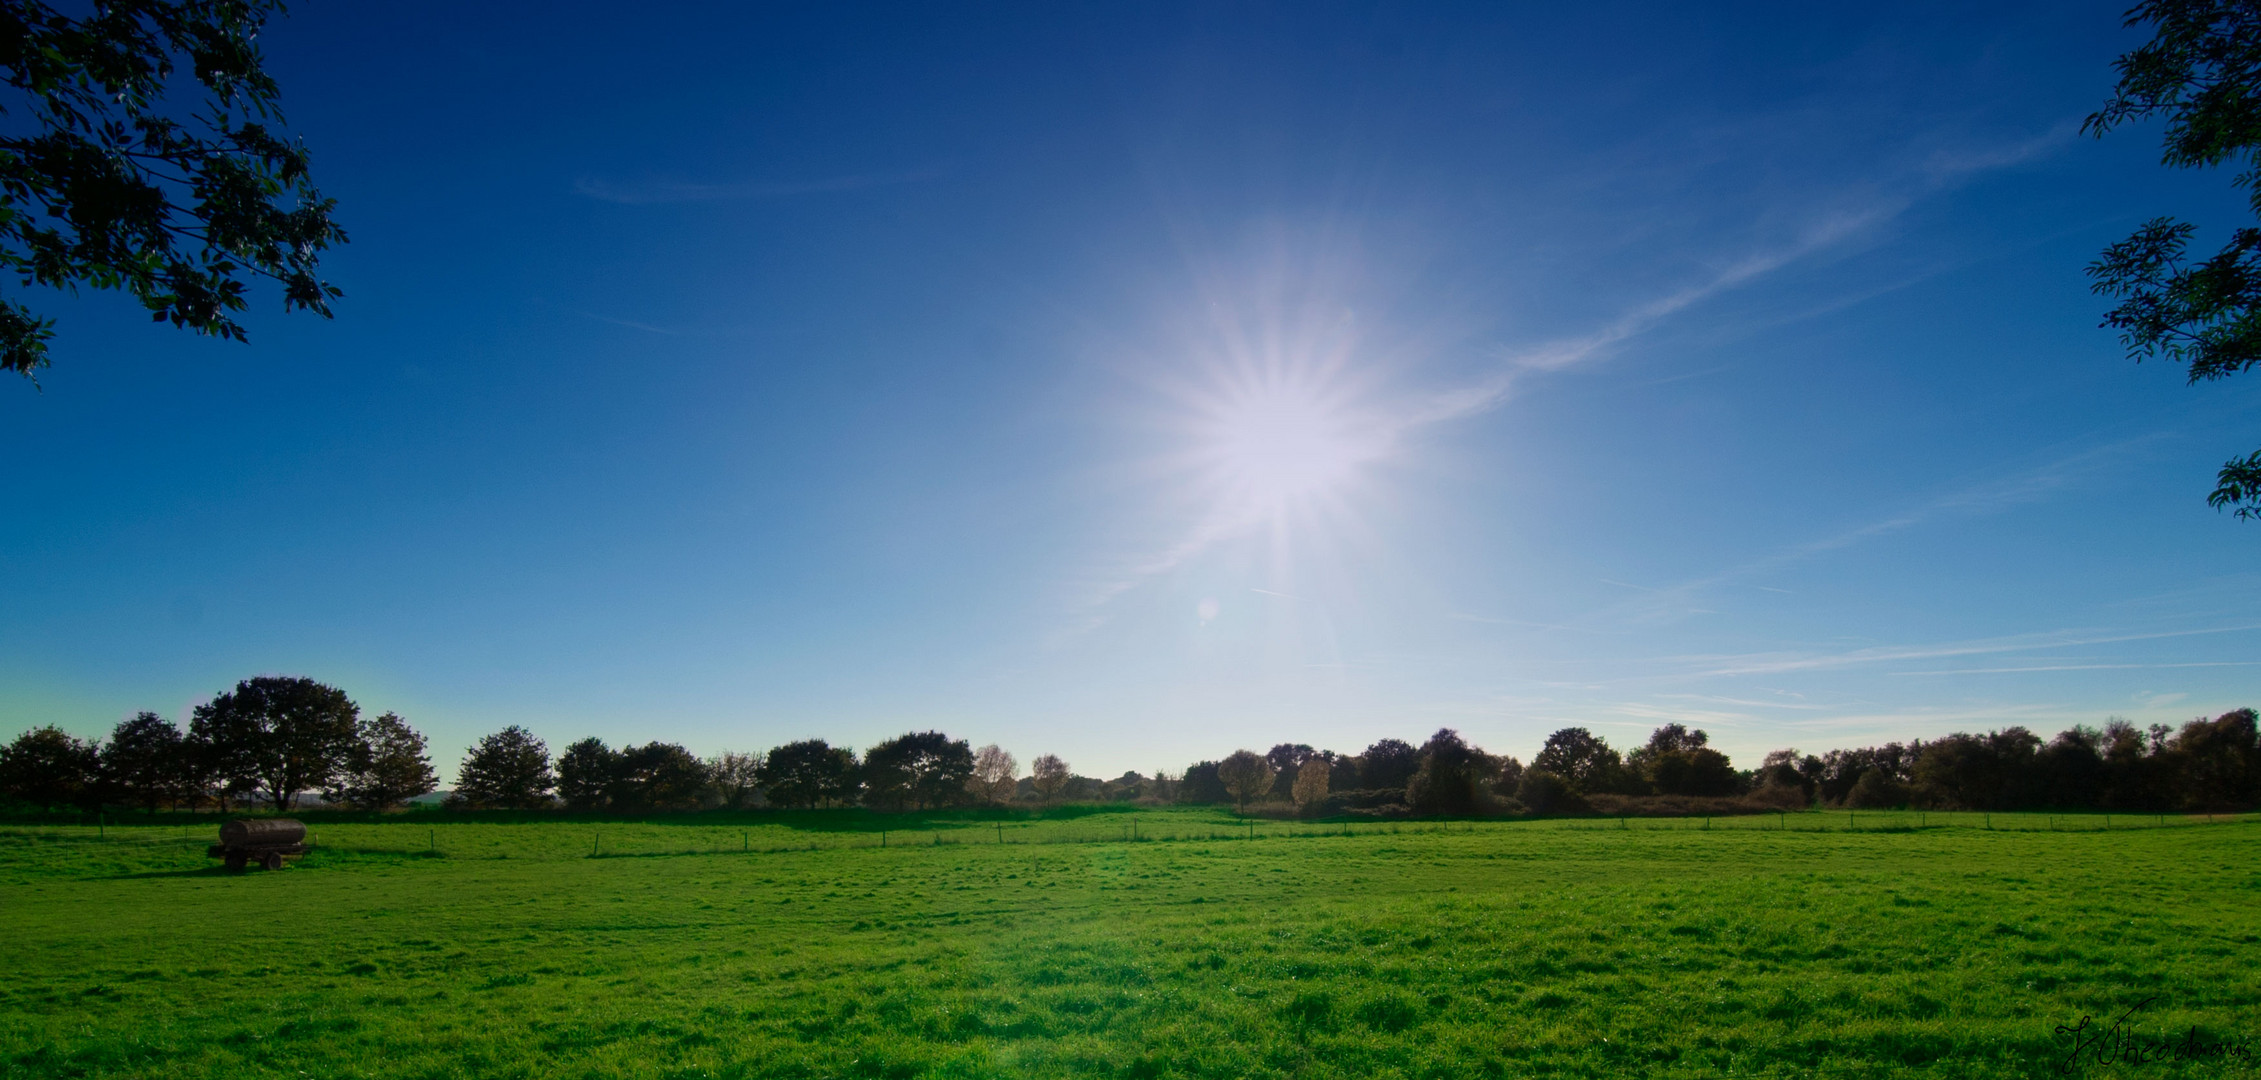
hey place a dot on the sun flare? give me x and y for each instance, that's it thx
(1276, 445)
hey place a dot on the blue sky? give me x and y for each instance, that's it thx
(1140, 383)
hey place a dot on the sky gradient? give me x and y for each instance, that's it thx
(1137, 384)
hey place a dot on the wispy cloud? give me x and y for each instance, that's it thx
(1517, 364)
(1743, 702)
(1280, 595)
(2083, 667)
(630, 324)
(1899, 724)
(1947, 165)
(1979, 497)
(1776, 663)
(1942, 170)
(651, 192)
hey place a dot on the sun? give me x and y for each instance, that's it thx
(1278, 444)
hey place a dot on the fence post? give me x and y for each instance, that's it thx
(882, 838)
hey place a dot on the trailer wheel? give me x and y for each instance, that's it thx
(272, 860)
(235, 862)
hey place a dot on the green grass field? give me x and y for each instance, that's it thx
(1813, 945)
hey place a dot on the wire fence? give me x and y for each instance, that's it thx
(649, 840)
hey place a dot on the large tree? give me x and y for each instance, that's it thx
(1246, 775)
(1049, 776)
(660, 776)
(146, 762)
(1389, 763)
(993, 776)
(1678, 761)
(737, 778)
(279, 734)
(1200, 784)
(587, 773)
(508, 770)
(49, 767)
(1582, 758)
(809, 773)
(1286, 759)
(2201, 73)
(1454, 777)
(920, 769)
(390, 767)
(2221, 760)
(109, 180)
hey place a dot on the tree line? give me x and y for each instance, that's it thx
(273, 739)
(2206, 764)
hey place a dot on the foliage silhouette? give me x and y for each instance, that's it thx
(103, 183)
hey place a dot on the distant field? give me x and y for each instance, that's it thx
(1809, 945)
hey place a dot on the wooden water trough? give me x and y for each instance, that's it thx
(266, 841)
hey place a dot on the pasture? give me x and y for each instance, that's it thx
(1138, 944)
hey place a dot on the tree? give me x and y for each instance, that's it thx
(2136, 775)
(1509, 777)
(2221, 760)
(103, 183)
(1246, 775)
(994, 772)
(48, 767)
(1582, 758)
(586, 774)
(809, 774)
(389, 768)
(1676, 761)
(1877, 790)
(279, 735)
(1786, 769)
(1342, 772)
(922, 769)
(736, 777)
(1201, 785)
(1311, 783)
(2202, 71)
(1454, 777)
(1286, 759)
(1389, 763)
(144, 761)
(1049, 776)
(204, 775)
(2072, 769)
(660, 776)
(508, 770)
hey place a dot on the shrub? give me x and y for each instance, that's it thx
(1544, 792)
(1876, 790)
